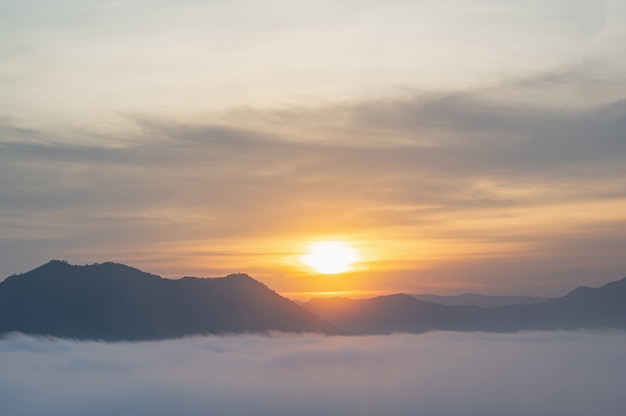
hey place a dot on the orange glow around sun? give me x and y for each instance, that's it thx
(331, 257)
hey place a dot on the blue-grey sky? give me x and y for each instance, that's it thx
(474, 145)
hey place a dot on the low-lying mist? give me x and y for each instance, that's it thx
(439, 373)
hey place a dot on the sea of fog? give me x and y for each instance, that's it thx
(439, 373)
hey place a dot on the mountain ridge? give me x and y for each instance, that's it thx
(477, 299)
(112, 301)
(582, 308)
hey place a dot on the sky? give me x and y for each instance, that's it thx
(460, 145)
(439, 374)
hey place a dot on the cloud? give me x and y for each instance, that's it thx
(188, 56)
(465, 168)
(436, 374)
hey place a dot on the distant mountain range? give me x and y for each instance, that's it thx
(583, 308)
(114, 302)
(484, 301)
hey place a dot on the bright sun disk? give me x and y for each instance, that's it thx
(331, 257)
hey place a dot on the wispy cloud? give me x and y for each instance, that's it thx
(191, 55)
(470, 167)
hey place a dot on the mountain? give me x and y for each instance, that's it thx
(113, 302)
(475, 299)
(583, 308)
(387, 314)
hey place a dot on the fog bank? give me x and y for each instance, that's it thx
(437, 373)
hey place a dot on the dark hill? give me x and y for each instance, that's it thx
(583, 308)
(391, 313)
(475, 299)
(112, 301)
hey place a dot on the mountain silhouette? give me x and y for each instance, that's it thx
(113, 302)
(475, 299)
(391, 313)
(582, 308)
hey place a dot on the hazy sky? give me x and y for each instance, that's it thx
(462, 145)
(442, 374)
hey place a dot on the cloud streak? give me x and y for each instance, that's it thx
(192, 54)
(437, 374)
(458, 170)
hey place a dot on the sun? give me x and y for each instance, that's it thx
(331, 257)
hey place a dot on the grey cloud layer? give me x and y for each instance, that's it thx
(433, 149)
(433, 374)
(409, 161)
(442, 142)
